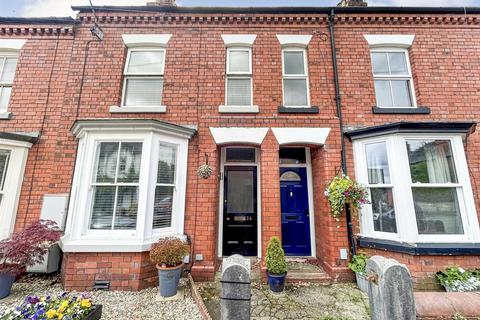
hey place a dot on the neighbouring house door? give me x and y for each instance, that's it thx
(295, 213)
(240, 210)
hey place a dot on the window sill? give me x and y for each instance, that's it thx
(418, 110)
(139, 109)
(296, 110)
(238, 109)
(416, 249)
(5, 115)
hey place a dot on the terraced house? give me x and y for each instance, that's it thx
(105, 131)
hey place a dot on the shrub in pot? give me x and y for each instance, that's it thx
(23, 249)
(168, 255)
(359, 266)
(276, 265)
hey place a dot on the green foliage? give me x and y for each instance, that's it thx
(275, 259)
(358, 263)
(343, 190)
(169, 252)
(451, 274)
(458, 316)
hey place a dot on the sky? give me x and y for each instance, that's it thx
(46, 8)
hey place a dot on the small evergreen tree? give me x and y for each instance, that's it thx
(275, 259)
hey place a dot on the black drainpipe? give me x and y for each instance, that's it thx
(338, 102)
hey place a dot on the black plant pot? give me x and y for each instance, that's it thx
(96, 313)
(276, 282)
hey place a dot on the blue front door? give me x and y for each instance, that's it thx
(295, 213)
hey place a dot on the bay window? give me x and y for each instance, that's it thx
(129, 185)
(419, 188)
(4, 157)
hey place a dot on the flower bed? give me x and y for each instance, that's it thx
(62, 307)
(455, 279)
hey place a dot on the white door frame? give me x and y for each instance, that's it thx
(223, 163)
(311, 209)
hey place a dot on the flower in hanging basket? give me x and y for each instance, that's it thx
(204, 171)
(343, 190)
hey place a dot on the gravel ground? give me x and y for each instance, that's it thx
(117, 305)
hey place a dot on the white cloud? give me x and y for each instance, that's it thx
(50, 8)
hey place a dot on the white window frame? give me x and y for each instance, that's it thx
(303, 76)
(7, 84)
(239, 75)
(148, 75)
(79, 238)
(402, 190)
(12, 184)
(407, 77)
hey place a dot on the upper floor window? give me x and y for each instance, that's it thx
(143, 83)
(393, 78)
(295, 78)
(8, 65)
(239, 77)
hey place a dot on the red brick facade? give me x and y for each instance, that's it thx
(48, 96)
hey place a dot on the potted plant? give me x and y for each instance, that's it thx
(168, 255)
(276, 265)
(63, 306)
(456, 279)
(359, 266)
(23, 249)
(342, 190)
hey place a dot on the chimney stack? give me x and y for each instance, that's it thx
(162, 3)
(353, 3)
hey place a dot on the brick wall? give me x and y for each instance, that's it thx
(445, 71)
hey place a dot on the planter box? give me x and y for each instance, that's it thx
(362, 282)
(96, 313)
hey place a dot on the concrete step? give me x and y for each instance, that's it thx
(316, 277)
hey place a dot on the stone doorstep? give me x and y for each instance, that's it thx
(443, 305)
(316, 277)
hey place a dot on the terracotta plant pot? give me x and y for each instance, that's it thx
(168, 279)
(276, 282)
(6, 282)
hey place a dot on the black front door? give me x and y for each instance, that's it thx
(240, 210)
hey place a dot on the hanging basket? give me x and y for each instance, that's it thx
(204, 171)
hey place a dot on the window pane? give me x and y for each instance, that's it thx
(162, 210)
(103, 202)
(379, 63)
(146, 62)
(401, 93)
(239, 61)
(5, 93)
(9, 70)
(129, 162)
(383, 210)
(437, 211)
(377, 163)
(106, 162)
(383, 93)
(294, 62)
(398, 63)
(143, 92)
(127, 208)
(240, 155)
(431, 161)
(166, 164)
(292, 156)
(239, 92)
(4, 156)
(240, 188)
(295, 92)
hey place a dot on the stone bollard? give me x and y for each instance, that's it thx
(236, 294)
(390, 290)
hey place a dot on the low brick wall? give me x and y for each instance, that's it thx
(125, 271)
(443, 305)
